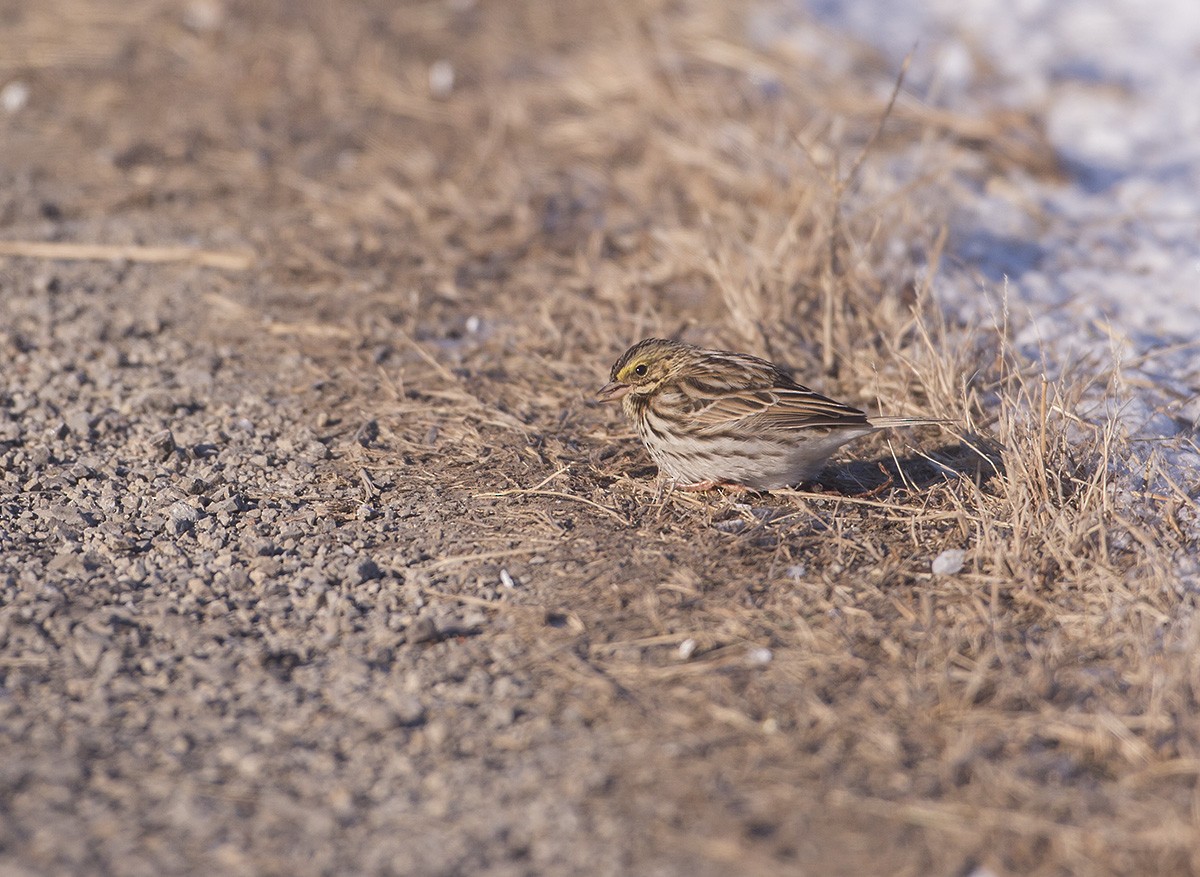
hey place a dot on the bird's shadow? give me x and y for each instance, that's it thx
(976, 457)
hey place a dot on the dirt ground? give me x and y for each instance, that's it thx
(316, 556)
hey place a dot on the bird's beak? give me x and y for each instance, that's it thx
(612, 391)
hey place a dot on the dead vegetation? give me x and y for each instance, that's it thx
(774, 684)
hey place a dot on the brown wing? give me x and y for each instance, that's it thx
(763, 397)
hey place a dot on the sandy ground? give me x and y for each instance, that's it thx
(317, 558)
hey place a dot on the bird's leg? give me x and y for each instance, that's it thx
(875, 491)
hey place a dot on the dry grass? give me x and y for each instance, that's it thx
(462, 269)
(1031, 712)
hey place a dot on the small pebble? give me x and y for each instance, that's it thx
(203, 15)
(14, 96)
(162, 444)
(367, 571)
(409, 711)
(441, 78)
(182, 516)
(949, 562)
(760, 656)
(422, 630)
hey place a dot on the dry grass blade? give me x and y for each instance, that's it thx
(225, 260)
(558, 494)
(454, 560)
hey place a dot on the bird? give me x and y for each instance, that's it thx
(715, 418)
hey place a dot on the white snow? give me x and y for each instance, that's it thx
(1108, 262)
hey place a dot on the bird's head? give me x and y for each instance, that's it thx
(645, 368)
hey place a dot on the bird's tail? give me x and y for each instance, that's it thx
(894, 422)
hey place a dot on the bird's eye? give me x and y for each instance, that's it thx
(640, 370)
